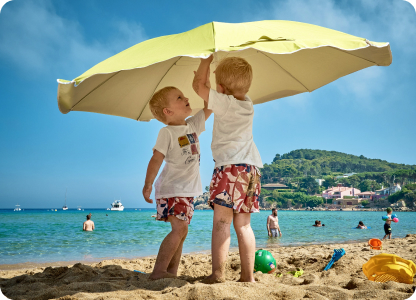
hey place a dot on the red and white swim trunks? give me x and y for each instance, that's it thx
(237, 187)
(180, 207)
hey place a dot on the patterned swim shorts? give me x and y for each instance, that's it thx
(180, 207)
(237, 187)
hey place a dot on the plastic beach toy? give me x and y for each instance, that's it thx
(375, 244)
(393, 216)
(389, 267)
(395, 220)
(297, 273)
(264, 262)
(338, 253)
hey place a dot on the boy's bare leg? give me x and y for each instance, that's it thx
(220, 244)
(246, 245)
(169, 247)
(174, 262)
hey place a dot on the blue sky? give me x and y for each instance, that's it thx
(100, 158)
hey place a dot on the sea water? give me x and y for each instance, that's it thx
(46, 236)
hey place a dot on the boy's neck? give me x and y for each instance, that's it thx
(176, 122)
(238, 96)
(241, 97)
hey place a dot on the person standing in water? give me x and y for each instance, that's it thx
(273, 224)
(89, 224)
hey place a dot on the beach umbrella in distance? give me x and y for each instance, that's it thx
(287, 58)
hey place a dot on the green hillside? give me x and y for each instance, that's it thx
(318, 163)
(298, 169)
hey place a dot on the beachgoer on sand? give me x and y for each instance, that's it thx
(273, 227)
(361, 225)
(387, 224)
(179, 182)
(89, 224)
(235, 184)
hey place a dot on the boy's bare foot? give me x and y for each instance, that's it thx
(162, 275)
(211, 279)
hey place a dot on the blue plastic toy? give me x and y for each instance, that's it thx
(338, 253)
(139, 272)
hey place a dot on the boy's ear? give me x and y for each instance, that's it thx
(167, 111)
(221, 89)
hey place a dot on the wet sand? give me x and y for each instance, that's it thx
(116, 279)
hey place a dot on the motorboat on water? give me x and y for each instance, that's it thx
(79, 208)
(65, 207)
(17, 208)
(117, 206)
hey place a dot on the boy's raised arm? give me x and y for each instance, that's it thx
(201, 76)
(152, 170)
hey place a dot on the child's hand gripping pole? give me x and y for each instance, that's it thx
(338, 253)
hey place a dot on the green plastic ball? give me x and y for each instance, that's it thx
(264, 262)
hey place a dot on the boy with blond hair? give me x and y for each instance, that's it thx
(235, 184)
(179, 182)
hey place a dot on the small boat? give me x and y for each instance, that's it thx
(117, 206)
(17, 208)
(65, 207)
(108, 209)
(79, 208)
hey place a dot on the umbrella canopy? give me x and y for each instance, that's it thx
(287, 58)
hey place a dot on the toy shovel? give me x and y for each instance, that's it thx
(338, 253)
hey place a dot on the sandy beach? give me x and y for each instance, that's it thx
(115, 279)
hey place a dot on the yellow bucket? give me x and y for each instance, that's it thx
(389, 267)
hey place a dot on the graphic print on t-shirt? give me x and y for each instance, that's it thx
(185, 151)
(186, 140)
(194, 149)
(193, 138)
(183, 141)
(189, 160)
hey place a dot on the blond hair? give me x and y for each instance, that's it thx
(235, 74)
(159, 101)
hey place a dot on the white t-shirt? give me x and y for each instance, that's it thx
(180, 177)
(232, 136)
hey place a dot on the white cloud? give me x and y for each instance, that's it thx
(40, 41)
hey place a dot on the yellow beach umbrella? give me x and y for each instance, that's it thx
(287, 58)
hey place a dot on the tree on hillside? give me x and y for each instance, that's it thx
(276, 158)
(310, 185)
(329, 182)
(368, 186)
(365, 203)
